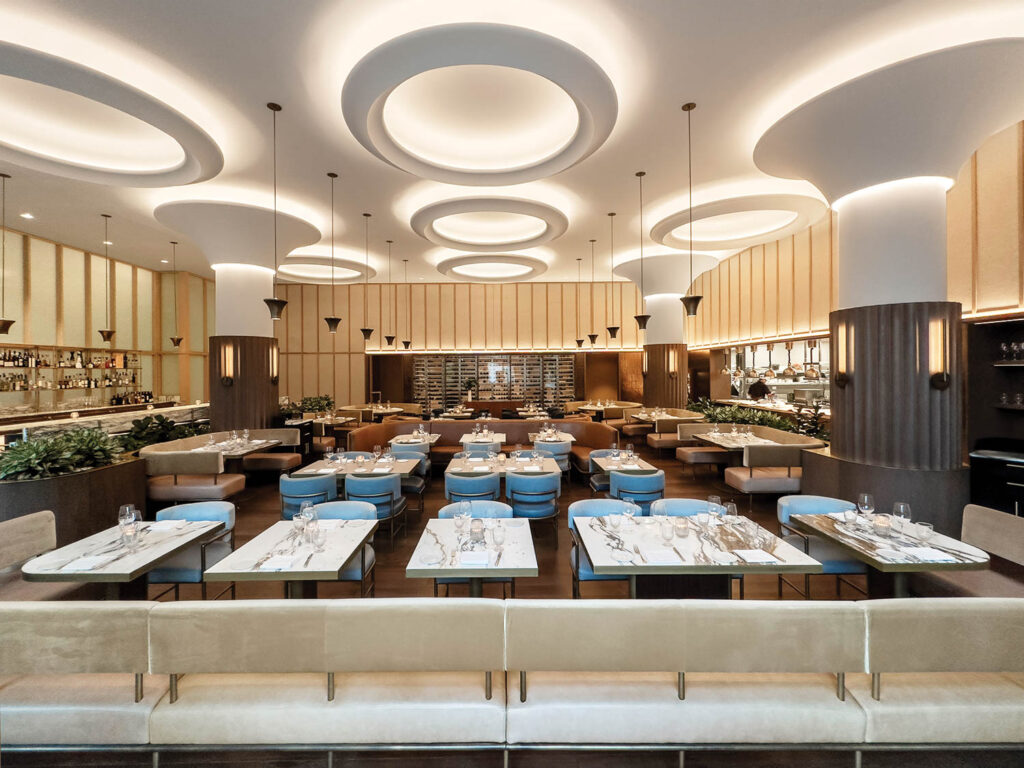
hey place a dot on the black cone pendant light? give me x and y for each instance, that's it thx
(407, 342)
(690, 303)
(613, 330)
(107, 334)
(592, 336)
(389, 339)
(175, 339)
(275, 305)
(641, 319)
(367, 332)
(5, 325)
(333, 321)
(579, 280)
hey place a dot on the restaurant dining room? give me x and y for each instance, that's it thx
(542, 384)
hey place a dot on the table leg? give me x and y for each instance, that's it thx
(710, 586)
(300, 590)
(476, 587)
(883, 585)
(137, 589)
(900, 586)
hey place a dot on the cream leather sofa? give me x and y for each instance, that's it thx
(177, 473)
(414, 671)
(21, 539)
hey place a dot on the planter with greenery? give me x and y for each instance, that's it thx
(310, 404)
(157, 429)
(469, 385)
(809, 421)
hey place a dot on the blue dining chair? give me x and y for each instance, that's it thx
(535, 495)
(312, 488)
(384, 491)
(359, 567)
(417, 481)
(479, 508)
(579, 563)
(557, 451)
(480, 449)
(187, 567)
(833, 558)
(642, 487)
(466, 487)
(599, 481)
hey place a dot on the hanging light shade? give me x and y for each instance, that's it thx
(367, 332)
(752, 370)
(593, 338)
(726, 354)
(175, 339)
(613, 330)
(812, 372)
(641, 319)
(579, 280)
(333, 321)
(690, 303)
(789, 370)
(769, 372)
(275, 305)
(107, 334)
(407, 342)
(5, 324)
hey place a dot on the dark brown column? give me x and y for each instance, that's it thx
(665, 380)
(243, 382)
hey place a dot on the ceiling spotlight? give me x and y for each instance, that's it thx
(107, 242)
(27, 215)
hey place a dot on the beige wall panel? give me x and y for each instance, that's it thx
(492, 316)
(73, 297)
(166, 311)
(433, 316)
(821, 274)
(999, 236)
(463, 310)
(310, 374)
(343, 341)
(211, 314)
(418, 311)
(375, 316)
(757, 292)
(325, 374)
(554, 310)
(746, 299)
(196, 330)
(357, 378)
(734, 297)
(802, 281)
(292, 317)
(43, 299)
(835, 258)
(402, 312)
(169, 384)
(143, 307)
(97, 266)
(524, 316)
(539, 320)
(146, 374)
(509, 317)
(716, 309)
(477, 316)
(14, 285)
(960, 238)
(342, 374)
(585, 309)
(446, 314)
(325, 340)
(629, 334)
(785, 286)
(295, 383)
(355, 317)
(600, 314)
(771, 288)
(197, 383)
(570, 323)
(123, 307)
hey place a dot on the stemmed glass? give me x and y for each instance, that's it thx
(630, 510)
(866, 504)
(376, 452)
(126, 514)
(901, 513)
(713, 503)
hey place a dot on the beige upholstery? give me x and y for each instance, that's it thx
(764, 479)
(702, 454)
(194, 487)
(271, 462)
(284, 435)
(24, 537)
(998, 533)
(183, 463)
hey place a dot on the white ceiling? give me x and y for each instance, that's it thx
(746, 63)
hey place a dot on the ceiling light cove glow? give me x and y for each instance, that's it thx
(938, 183)
(316, 273)
(26, 215)
(490, 271)
(489, 227)
(727, 226)
(489, 224)
(482, 118)
(492, 268)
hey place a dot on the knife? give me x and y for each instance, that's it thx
(679, 554)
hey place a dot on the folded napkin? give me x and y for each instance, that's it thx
(481, 469)
(330, 525)
(474, 458)
(757, 556)
(167, 525)
(724, 558)
(325, 471)
(531, 469)
(660, 556)
(381, 470)
(88, 562)
(840, 516)
(359, 469)
(630, 466)
(522, 458)
(930, 554)
(279, 563)
(257, 442)
(474, 559)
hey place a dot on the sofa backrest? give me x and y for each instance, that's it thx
(287, 436)
(74, 637)
(773, 455)
(25, 537)
(998, 533)
(184, 463)
(945, 634)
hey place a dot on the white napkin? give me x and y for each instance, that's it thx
(840, 516)
(278, 563)
(325, 471)
(531, 469)
(522, 458)
(481, 469)
(660, 556)
(474, 559)
(475, 458)
(930, 554)
(162, 526)
(359, 469)
(724, 558)
(381, 470)
(88, 562)
(630, 466)
(257, 442)
(757, 556)
(330, 525)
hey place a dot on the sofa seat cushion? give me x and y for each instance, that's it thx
(77, 709)
(374, 708)
(663, 440)
(186, 567)
(14, 587)
(962, 584)
(833, 558)
(616, 423)
(702, 454)
(271, 462)
(642, 707)
(636, 430)
(323, 444)
(941, 708)
(764, 479)
(194, 487)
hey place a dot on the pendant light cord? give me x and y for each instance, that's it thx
(408, 303)
(274, 118)
(106, 256)
(592, 285)
(334, 300)
(611, 261)
(387, 296)
(174, 281)
(689, 170)
(366, 260)
(579, 280)
(3, 247)
(640, 175)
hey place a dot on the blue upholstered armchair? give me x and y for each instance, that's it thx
(315, 489)
(416, 482)
(599, 481)
(641, 487)
(833, 559)
(484, 485)
(679, 507)
(360, 566)
(579, 563)
(187, 567)
(535, 495)
(557, 451)
(385, 493)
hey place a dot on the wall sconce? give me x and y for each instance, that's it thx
(673, 363)
(644, 365)
(938, 356)
(227, 365)
(844, 355)
(274, 360)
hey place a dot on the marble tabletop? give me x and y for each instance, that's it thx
(444, 551)
(490, 437)
(559, 437)
(411, 439)
(404, 467)
(481, 465)
(733, 442)
(608, 464)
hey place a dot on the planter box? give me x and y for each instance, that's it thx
(82, 502)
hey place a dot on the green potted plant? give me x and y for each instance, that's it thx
(469, 385)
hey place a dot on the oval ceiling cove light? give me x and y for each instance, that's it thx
(489, 224)
(119, 135)
(479, 104)
(492, 268)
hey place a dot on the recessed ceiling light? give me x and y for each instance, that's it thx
(27, 215)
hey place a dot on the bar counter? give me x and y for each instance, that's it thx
(110, 419)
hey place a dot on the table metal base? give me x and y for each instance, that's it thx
(300, 589)
(882, 585)
(476, 587)
(709, 587)
(137, 589)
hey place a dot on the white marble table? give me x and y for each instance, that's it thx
(560, 437)
(440, 553)
(102, 558)
(236, 449)
(457, 414)
(708, 549)
(280, 554)
(403, 467)
(492, 437)
(733, 442)
(608, 464)
(405, 440)
(482, 466)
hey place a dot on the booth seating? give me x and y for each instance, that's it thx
(770, 468)
(1002, 536)
(278, 459)
(663, 436)
(621, 421)
(179, 474)
(693, 452)
(21, 539)
(322, 441)
(685, 674)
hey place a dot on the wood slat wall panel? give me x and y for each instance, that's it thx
(539, 320)
(746, 293)
(802, 281)
(757, 287)
(509, 317)
(999, 235)
(960, 238)
(821, 273)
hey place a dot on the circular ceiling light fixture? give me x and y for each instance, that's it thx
(739, 222)
(479, 104)
(489, 224)
(120, 134)
(492, 268)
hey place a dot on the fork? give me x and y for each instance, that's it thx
(637, 550)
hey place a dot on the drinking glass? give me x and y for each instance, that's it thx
(713, 503)
(925, 531)
(615, 521)
(245, 435)
(882, 525)
(376, 452)
(630, 510)
(849, 516)
(319, 539)
(131, 534)
(729, 510)
(491, 456)
(460, 519)
(210, 442)
(682, 527)
(901, 515)
(667, 530)
(498, 534)
(126, 515)
(519, 450)
(299, 523)
(735, 429)
(360, 460)
(866, 503)
(234, 435)
(629, 451)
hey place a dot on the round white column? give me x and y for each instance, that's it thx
(667, 324)
(240, 290)
(892, 243)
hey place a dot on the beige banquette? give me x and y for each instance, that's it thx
(281, 458)
(588, 436)
(179, 473)
(663, 436)
(347, 672)
(21, 539)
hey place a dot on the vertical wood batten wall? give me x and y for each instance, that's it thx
(438, 317)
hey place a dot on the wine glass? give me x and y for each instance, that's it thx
(667, 530)
(713, 503)
(729, 510)
(866, 503)
(319, 539)
(901, 515)
(630, 510)
(125, 515)
(245, 435)
(376, 452)
(498, 533)
(615, 521)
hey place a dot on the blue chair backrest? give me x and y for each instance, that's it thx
(421, 467)
(356, 454)
(417, 447)
(810, 505)
(295, 490)
(642, 488)
(554, 450)
(522, 486)
(220, 511)
(482, 486)
(380, 490)
(480, 449)
(346, 510)
(478, 508)
(598, 454)
(595, 508)
(679, 507)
